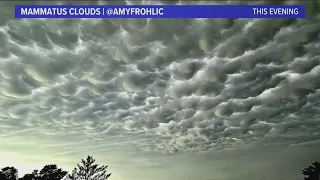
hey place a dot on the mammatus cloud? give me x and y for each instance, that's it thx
(161, 85)
(170, 84)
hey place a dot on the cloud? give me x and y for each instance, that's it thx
(103, 79)
(167, 85)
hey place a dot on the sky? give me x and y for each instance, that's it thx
(206, 99)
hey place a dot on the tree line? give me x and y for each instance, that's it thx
(86, 170)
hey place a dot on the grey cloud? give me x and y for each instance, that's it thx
(172, 85)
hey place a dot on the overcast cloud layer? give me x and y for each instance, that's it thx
(183, 98)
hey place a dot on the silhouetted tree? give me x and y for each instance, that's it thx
(87, 170)
(32, 176)
(48, 172)
(28, 177)
(312, 172)
(9, 173)
(51, 172)
(2, 175)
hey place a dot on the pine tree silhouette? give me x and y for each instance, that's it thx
(87, 170)
(312, 172)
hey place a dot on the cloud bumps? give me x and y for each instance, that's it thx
(169, 85)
